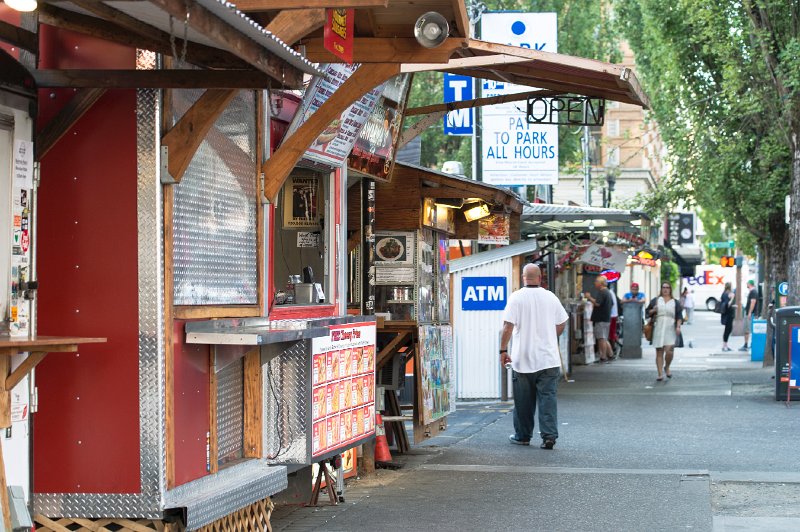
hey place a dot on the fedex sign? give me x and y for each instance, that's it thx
(483, 293)
(706, 278)
(458, 89)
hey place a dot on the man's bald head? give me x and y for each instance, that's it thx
(531, 274)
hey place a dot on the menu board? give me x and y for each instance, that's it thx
(333, 145)
(343, 387)
(494, 229)
(436, 377)
(376, 146)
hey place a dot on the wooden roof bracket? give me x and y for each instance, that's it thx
(278, 167)
(179, 144)
(81, 102)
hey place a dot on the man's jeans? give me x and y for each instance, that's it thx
(530, 390)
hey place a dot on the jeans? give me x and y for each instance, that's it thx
(531, 389)
(728, 328)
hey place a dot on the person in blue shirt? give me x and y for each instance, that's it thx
(634, 295)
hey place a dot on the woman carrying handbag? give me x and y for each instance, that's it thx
(668, 316)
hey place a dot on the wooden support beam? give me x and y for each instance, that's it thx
(56, 128)
(418, 127)
(19, 37)
(27, 365)
(253, 404)
(153, 79)
(214, 28)
(480, 102)
(384, 50)
(185, 137)
(462, 19)
(270, 5)
(387, 352)
(291, 26)
(277, 168)
(197, 54)
(454, 193)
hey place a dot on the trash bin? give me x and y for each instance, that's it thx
(787, 353)
(758, 339)
(631, 330)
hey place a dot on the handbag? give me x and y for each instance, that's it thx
(648, 330)
(679, 340)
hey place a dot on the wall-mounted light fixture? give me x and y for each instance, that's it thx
(21, 5)
(431, 29)
(481, 210)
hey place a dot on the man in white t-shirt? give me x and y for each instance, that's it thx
(535, 318)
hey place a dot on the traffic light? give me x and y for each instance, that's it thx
(727, 261)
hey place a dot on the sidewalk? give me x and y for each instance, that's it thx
(708, 450)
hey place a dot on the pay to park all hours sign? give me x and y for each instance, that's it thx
(515, 152)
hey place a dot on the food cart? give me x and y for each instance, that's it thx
(417, 213)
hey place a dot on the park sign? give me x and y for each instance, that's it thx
(515, 152)
(730, 244)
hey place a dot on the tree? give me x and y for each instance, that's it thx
(720, 78)
(583, 30)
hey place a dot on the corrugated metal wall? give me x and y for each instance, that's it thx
(477, 337)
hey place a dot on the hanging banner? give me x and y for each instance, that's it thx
(515, 152)
(376, 145)
(494, 229)
(333, 145)
(338, 33)
(605, 258)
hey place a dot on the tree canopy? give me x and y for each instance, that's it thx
(714, 75)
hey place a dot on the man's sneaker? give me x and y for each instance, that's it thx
(744, 348)
(516, 441)
(548, 444)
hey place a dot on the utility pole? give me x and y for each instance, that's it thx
(587, 168)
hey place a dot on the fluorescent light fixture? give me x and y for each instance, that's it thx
(21, 5)
(477, 212)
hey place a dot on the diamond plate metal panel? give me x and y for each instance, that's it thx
(214, 240)
(215, 496)
(146, 504)
(230, 411)
(286, 402)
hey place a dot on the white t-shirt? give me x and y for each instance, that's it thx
(534, 312)
(614, 309)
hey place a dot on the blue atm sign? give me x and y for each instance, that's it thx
(483, 293)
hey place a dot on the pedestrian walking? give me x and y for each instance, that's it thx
(727, 313)
(534, 318)
(687, 301)
(601, 317)
(749, 310)
(668, 316)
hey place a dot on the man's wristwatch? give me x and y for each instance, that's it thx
(504, 350)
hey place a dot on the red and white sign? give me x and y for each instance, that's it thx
(338, 34)
(604, 257)
(343, 387)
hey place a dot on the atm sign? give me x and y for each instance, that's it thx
(483, 293)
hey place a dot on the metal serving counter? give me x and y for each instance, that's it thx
(262, 331)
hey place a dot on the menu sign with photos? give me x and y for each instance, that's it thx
(343, 387)
(394, 247)
(376, 146)
(333, 145)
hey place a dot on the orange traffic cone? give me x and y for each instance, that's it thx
(382, 454)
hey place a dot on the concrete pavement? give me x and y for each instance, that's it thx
(708, 450)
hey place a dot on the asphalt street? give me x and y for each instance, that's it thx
(708, 450)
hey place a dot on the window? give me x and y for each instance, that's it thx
(613, 128)
(302, 232)
(612, 156)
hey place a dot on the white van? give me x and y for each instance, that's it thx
(708, 283)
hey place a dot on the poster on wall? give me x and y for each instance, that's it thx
(342, 387)
(515, 152)
(604, 258)
(376, 145)
(333, 145)
(436, 361)
(494, 229)
(301, 197)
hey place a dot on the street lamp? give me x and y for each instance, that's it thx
(611, 180)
